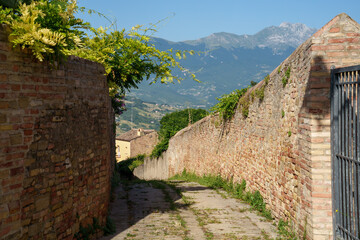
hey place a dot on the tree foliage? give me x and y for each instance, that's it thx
(129, 58)
(50, 29)
(173, 122)
(13, 3)
(47, 28)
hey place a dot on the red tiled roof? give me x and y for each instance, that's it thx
(132, 134)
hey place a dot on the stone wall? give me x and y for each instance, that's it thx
(153, 169)
(55, 131)
(282, 148)
(144, 144)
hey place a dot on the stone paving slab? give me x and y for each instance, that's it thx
(143, 211)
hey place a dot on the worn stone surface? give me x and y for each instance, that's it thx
(283, 147)
(141, 211)
(49, 120)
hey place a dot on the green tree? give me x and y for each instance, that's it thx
(173, 122)
(13, 3)
(50, 29)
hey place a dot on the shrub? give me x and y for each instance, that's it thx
(161, 147)
(260, 93)
(227, 104)
(126, 167)
(51, 30)
(253, 83)
(245, 103)
(173, 122)
(266, 79)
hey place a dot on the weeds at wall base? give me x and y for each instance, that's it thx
(285, 230)
(90, 230)
(109, 227)
(235, 190)
(125, 168)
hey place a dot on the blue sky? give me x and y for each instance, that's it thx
(193, 19)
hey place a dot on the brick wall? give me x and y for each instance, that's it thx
(282, 148)
(55, 149)
(144, 144)
(336, 44)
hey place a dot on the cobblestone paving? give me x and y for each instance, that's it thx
(155, 211)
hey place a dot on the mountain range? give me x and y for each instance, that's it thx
(226, 62)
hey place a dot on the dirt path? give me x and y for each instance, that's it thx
(153, 210)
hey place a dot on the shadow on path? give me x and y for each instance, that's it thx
(155, 210)
(140, 201)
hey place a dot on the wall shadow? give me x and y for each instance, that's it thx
(135, 199)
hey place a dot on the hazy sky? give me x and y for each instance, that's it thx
(193, 19)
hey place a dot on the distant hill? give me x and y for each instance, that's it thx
(228, 62)
(279, 39)
(141, 114)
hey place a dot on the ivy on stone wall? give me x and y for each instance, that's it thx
(227, 105)
(286, 77)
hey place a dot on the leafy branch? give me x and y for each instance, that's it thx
(50, 29)
(226, 107)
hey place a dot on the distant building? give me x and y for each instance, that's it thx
(135, 142)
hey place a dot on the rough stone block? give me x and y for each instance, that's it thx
(3, 118)
(16, 139)
(35, 172)
(6, 127)
(4, 212)
(23, 102)
(42, 203)
(16, 171)
(4, 105)
(42, 145)
(34, 229)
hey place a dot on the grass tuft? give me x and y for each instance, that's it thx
(286, 78)
(286, 231)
